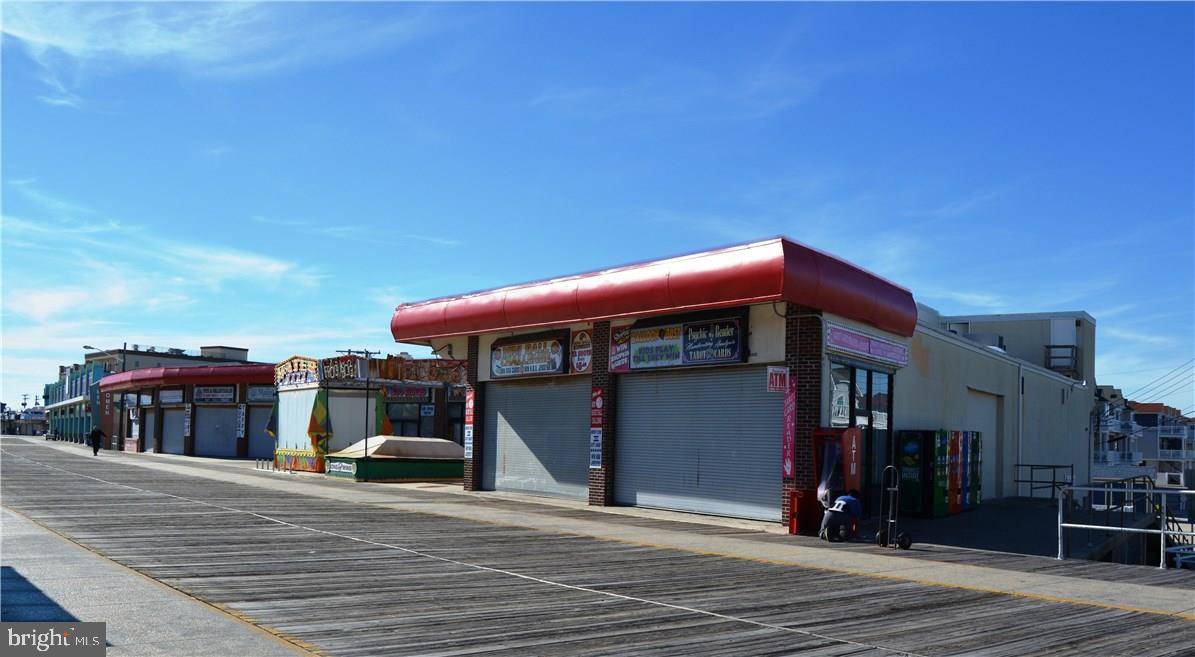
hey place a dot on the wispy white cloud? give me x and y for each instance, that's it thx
(270, 221)
(202, 39)
(217, 150)
(1140, 337)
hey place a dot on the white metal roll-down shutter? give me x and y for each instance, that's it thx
(537, 436)
(703, 440)
(172, 430)
(261, 444)
(215, 431)
(147, 445)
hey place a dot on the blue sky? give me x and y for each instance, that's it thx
(279, 176)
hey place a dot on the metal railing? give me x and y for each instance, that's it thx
(1063, 358)
(1053, 483)
(1175, 454)
(1130, 498)
(1111, 457)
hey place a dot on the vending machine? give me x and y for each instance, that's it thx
(923, 457)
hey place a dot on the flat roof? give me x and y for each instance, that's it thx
(1003, 317)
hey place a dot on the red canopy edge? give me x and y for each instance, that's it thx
(777, 269)
(150, 377)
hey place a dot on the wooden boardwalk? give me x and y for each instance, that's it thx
(348, 579)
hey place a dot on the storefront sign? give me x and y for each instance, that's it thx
(620, 349)
(789, 434)
(404, 392)
(432, 370)
(595, 449)
(240, 420)
(214, 394)
(580, 352)
(427, 410)
(693, 343)
(343, 467)
(777, 378)
(187, 420)
(842, 339)
(468, 430)
(296, 370)
(171, 396)
(262, 394)
(597, 401)
(343, 368)
(527, 358)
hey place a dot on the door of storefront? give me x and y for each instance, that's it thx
(261, 444)
(172, 430)
(215, 431)
(147, 443)
(703, 440)
(537, 436)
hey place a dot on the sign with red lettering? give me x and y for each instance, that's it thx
(596, 402)
(777, 378)
(789, 441)
(468, 437)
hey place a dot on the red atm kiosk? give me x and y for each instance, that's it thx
(837, 468)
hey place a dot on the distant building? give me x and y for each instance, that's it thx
(71, 400)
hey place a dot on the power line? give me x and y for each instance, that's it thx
(1160, 381)
(1172, 389)
(1167, 374)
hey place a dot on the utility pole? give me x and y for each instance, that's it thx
(365, 353)
(24, 400)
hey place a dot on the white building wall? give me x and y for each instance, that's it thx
(941, 381)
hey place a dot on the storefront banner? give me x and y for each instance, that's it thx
(708, 343)
(777, 378)
(437, 370)
(620, 349)
(405, 392)
(527, 358)
(214, 394)
(296, 370)
(240, 420)
(427, 410)
(170, 396)
(343, 368)
(343, 467)
(694, 343)
(656, 347)
(839, 338)
(789, 440)
(187, 420)
(262, 394)
(581, 352)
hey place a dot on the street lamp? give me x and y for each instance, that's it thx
(123, 353)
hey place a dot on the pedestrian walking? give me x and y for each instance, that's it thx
(96, 438)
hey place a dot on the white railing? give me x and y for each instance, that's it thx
(1068, 493)
(1175, 454)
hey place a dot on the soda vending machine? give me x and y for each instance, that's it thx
(923, 457)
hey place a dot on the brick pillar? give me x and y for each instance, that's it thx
(158, 422)
(472, 478)
(803, 356)
(601, 480)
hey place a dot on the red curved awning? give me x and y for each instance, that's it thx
(778, 269)
(151, 377)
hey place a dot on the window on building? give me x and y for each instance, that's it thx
(840, 395)
(456, 421)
